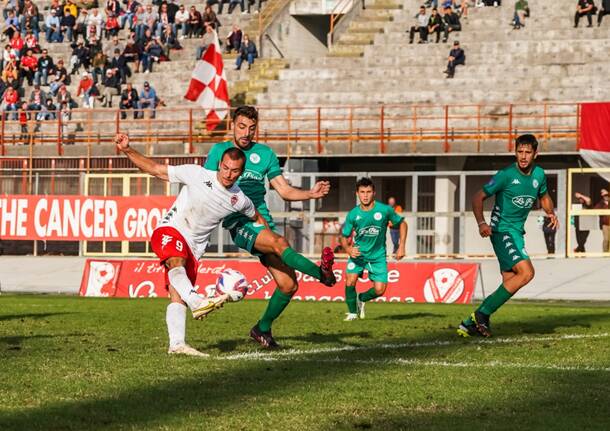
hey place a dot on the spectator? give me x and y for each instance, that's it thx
(169, 41)
(113, 7)
(422, 26)
(10, 102)
(60, 77)
(28, 66)
(129, 100)
(133, 54)
(57, 7)
(154, 51)
(165, 20)
(112, 87)
(67, 26)
(581, 235)
(29, 18)
(604, 221)
(148, 100)
(522, 10)
(45, 68)
(234, 39)
(456, 57)
(461, 7)
(80, 57)
(81, 25)
(95, 20)
(64, 98)
(131, 10)
(195, 24)
(549, 234)
(221, 4)
(99, 65)
(10, 72)
(435, 24)
(37, 99)
(258, 5)
(17, 44)
(233, 4)
(394, 230)
(23, 115)
(605, 10)
(208, 38)
(71, 8)
(31, 42)
(94, 46)
(9, 5)
(48, 111)
(52, 24)
(584, 8)
(248, 52)
(112, 46)
(119, 64)
(112, 26)
(181, 21)
(87, 90)
(209, 18)
(11, 24)
(147, 20)
(451, 23)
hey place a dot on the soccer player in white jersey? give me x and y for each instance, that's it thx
(183, 234)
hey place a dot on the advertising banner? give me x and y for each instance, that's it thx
(407, 282)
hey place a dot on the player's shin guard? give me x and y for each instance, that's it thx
(299, 262)
(175, 317)
(494, 301)
(180, 281)
(350, 299)
(368, 295)
(278, 302)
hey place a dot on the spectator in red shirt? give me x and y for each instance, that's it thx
(28, 66)
(87, 90)
(10, 102)
(17, 43)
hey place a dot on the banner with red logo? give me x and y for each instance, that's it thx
(407, 281)
(74, 218)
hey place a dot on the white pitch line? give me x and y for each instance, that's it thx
(270, 356)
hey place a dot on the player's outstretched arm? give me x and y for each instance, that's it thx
(143, 163)
(402, 242)
(289, 193)
(477, 209)
(546, 202)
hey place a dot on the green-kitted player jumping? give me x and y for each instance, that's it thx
(516, 188)
(369, 221)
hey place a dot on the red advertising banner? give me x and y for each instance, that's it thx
(74, 218)
(407, 282)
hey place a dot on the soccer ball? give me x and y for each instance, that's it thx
(233, 283)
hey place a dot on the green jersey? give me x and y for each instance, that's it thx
(261, 162)
(515, 195)
(370, 227)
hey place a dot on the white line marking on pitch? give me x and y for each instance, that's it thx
(270, 356)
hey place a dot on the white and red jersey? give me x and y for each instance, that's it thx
(202, 205)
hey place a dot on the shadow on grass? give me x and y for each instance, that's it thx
(7, 317)
(209, 393)
(407, 316)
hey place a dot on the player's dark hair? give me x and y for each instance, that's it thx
(234, 153)
(246, 111)
(527, 139)
(365, 182)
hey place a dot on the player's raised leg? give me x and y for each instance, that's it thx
(269, 242)
(287, 286)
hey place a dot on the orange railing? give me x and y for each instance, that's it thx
(293, 130)
(340, 9)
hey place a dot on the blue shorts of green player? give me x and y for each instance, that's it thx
(516, 188)
(368, 222)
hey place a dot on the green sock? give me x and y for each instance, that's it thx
(350, 299)
(468, 321)
(279, 300)
(495, 301)
(368, 295)
(297, 261)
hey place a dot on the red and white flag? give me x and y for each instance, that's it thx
(595, 135)
(208, 86)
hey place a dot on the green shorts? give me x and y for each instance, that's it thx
(378, 269)
(244, 234)
(509, 248)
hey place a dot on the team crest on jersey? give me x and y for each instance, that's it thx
(535, 183)
(255, 158)
(377, 216)
(523, 201)
(351, 265)
(234, 199)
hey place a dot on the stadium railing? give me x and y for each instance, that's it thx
(379, 129)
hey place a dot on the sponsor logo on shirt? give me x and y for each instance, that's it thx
(251, 175)
(523, 201)
(358, 217)
(208, 184)
(255, 158)
(369, 231)
(377, 216)
(516, 181)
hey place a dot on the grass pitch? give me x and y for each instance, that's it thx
(69, 363)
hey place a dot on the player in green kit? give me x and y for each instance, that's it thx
(516, 188)
(369, 221)
(272, 249)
